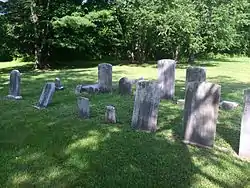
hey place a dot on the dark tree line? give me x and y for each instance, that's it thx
(134, 30)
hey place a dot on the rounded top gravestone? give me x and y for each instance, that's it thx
(125, 86)
(15, 83)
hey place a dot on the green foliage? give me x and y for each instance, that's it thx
(138, 30)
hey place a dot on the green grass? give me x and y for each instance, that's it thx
(55, 148)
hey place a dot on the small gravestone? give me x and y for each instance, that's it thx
(15, 85)
(78, 89)
(166, 78)
(228, 105)
(195, 74)
(110, 115)
(201, 113)
(146, 105)
(105, 77)
(46, 96)
(83, 107)
(244, 149)
(58, 84)
(125, 86)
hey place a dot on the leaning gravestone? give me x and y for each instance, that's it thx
(244, 149)
(125, 86)
(15, 83)
(105, 77)
(83, 106)
(146, 105)
(110, 115)
(58, 84)
(46, 96)
(166, 78)
(195, 74)
(201, 113)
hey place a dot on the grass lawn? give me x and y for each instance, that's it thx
(55, 148)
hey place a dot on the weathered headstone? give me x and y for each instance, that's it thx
(146, 105)
(105, 77)
(194, 74)
(15, 85)
(244, 149)
(166, 78)
(228, 105)
(110, 114)
(58, 84)
(78, 89)
(201, 113)
(125, 86)
(46, 96)
(83, 107)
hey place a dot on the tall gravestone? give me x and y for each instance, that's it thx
(105, 77)
(146, 105)
(244, 149)
(166, 78)
(125, 86)
(46, 96)
(15, 85)
(195, 74)
(201, 113)
(83, 107)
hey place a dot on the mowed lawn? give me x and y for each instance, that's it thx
(55, 148)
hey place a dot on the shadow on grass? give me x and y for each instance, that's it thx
(55, 148)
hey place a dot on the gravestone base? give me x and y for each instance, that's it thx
(196, 144)
(14, 97)
(59, 88)
(39, 107)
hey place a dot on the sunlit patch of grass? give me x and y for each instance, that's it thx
(55, 148)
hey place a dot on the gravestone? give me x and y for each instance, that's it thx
(83, 107)
(58, 84)
(46, 96)
(228, 105)
(146, 105)
(78, 89)
(195, 74)
(125, 86)
(166, 78)
(15, 85)
(105, 77)
(244, 149)
(110, 115)
(201, 113)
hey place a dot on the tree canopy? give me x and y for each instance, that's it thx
(134, 30)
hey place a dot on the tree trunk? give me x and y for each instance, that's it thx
(40, 49)
(37, 49)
